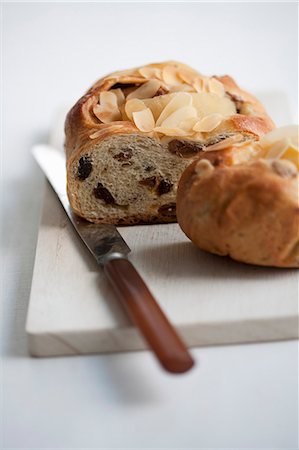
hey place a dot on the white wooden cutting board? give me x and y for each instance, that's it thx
(211, 300)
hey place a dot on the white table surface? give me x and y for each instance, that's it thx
(238, 396)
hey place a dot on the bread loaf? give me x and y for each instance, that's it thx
(243, 200)
(130, 137)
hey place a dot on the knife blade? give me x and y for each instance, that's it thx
(111, 252)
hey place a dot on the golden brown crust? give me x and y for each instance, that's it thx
(249, 212)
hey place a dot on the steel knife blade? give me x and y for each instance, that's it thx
(111, 251)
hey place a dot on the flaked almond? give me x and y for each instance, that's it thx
(170, 75)
(122, 73)
(177, 101)
(198, 85)
(108, 98)
(171, 131)
(205, 84)
(187, 76)
(188, 124)
(232, 140)
(282, 143)
(278, 148)
(106, 116)
(134, 105)
(175, 119)
(216, 87)
(120, 96)
(107, 111)
(144, 120)
(146, 90)
(290, 132)
(208, 123)
(151, 72)
(207, 103)
(181, 88)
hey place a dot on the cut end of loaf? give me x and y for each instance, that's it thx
(125, 180)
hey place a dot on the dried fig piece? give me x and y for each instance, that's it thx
(124, 155)
(103, 193)
(185, 149)
(168, 210)
(84, 168)
(149, 182)
(219, 138)
(164, 187)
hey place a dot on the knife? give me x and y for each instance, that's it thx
(111, 252)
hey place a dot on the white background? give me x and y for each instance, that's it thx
(238, 396)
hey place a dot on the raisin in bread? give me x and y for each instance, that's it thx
(246, 208)
(130, 137)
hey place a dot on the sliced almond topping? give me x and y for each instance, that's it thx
(106, 115)
(171, 99)
(198, 85)
(122, 73)
(181, 88)
(225, 143)
(120, 96)
(208, 123)
(278, 149)
(282, 143)
(207, 104)
(291, 132)
(170, 75)
(108, 98)
(188, 76)
(134, 105)
(188, 124)
(144, 120)
(177, 117)
(176, 102)
(171, 131)
(216, 87)
(150, 72)
(107, 111)
(205, 84)
(146, 90)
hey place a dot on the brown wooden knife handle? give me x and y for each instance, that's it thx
(146, 314)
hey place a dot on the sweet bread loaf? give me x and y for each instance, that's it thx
(130, 137)
(246, 208)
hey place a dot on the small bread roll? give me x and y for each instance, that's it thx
(243, 201)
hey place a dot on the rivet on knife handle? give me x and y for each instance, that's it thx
(146, 314)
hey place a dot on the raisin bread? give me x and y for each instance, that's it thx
(130, 137)
(246, 208)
